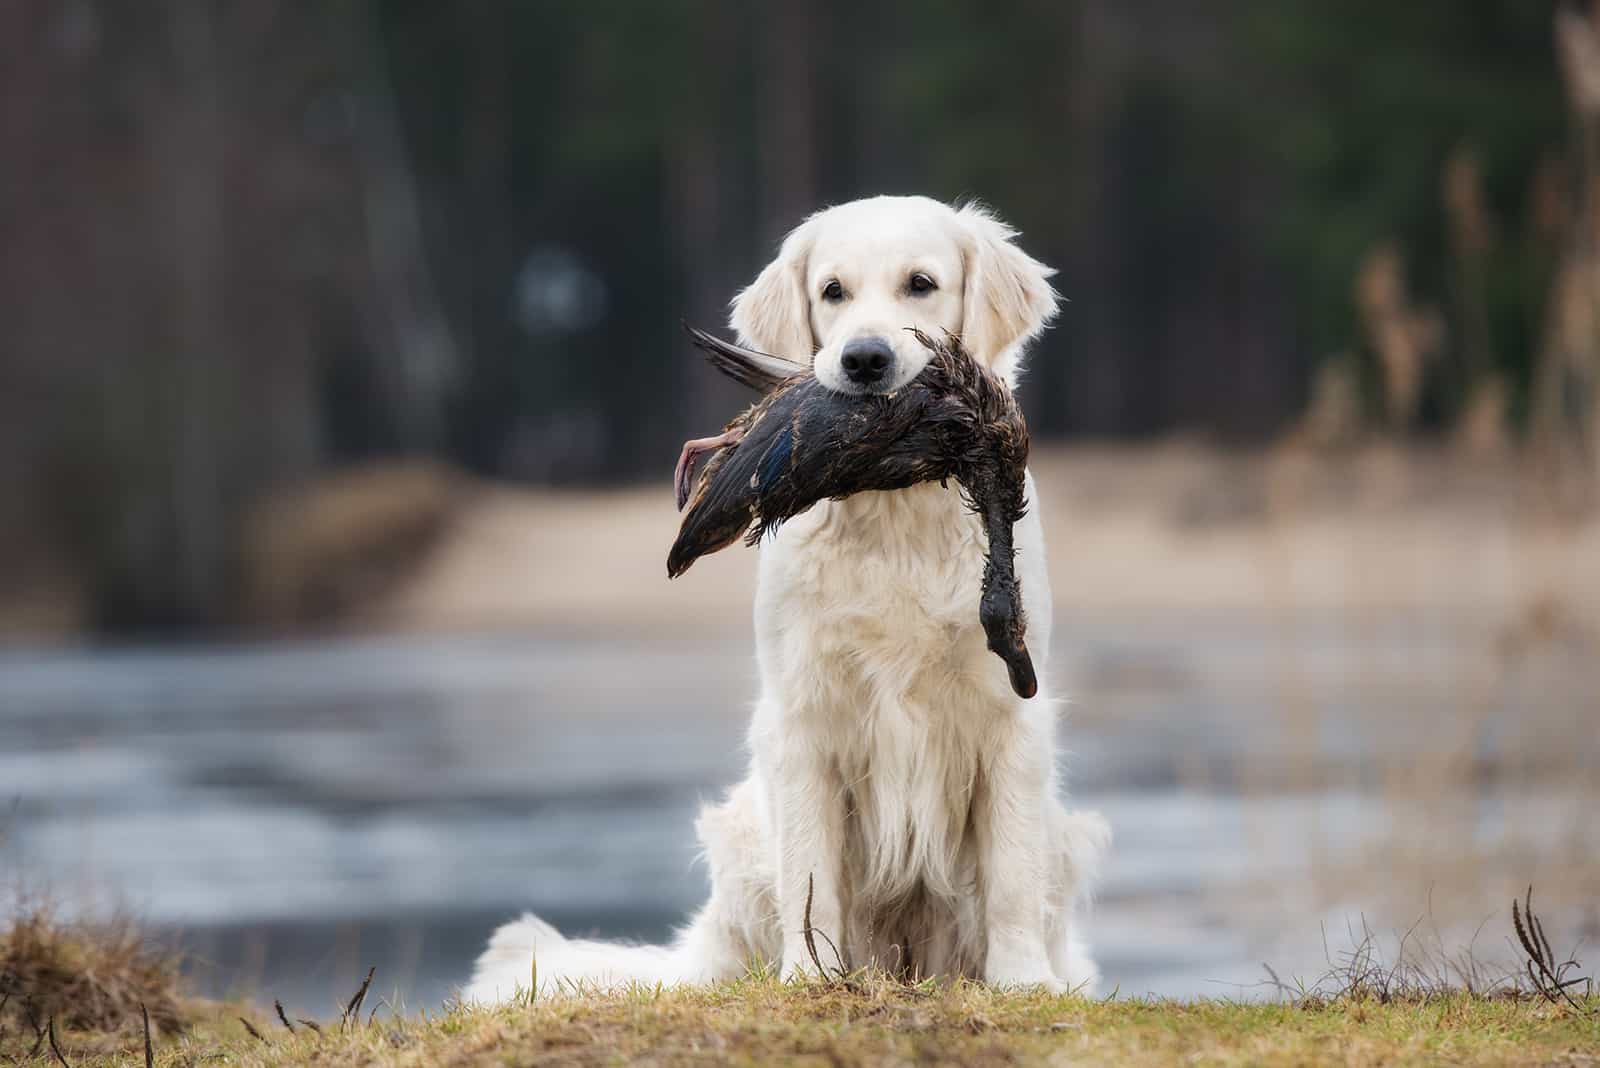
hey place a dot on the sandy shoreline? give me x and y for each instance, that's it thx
(1177, 529)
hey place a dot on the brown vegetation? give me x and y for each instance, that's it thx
(319, 550)
(100, 979)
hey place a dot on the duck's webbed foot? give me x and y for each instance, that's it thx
(693, 449)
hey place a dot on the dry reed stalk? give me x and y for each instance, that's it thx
(55, 1047)
(1404, 335)
(353, 1009)
(1482, 424)
(1545, 972)
(839, 973)
(1566, 390)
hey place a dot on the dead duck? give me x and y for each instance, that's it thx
(802, 443)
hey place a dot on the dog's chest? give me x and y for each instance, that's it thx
(869, 608)
(890, 561)
(867, 618)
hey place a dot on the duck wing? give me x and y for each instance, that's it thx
(840, 445)
(757, 370)
(727, 497)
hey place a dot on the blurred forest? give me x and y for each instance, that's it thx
(248, 242)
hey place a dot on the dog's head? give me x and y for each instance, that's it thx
(850, 279)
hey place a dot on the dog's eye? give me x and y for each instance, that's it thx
(833, 291)
(921, 283)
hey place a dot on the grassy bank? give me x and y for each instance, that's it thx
(761, 1021)
(88, 998)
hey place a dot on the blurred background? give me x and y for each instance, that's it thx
(340, 379)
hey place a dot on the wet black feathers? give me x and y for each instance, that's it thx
(754, 369)
(804, 443)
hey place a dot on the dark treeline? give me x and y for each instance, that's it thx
(246, 241)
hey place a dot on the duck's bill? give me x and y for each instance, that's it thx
(1019, 665)
(1001, 615)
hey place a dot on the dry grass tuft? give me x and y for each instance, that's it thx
(1418, 970)
(100, 979)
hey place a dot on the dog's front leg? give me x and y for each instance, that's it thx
(808, 806)
(1012, 861)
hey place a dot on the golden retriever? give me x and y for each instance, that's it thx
(898, 789)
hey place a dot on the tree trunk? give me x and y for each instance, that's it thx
(192, 162)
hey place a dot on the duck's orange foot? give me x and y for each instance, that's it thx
(693, 449)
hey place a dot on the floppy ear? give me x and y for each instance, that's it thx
(773, 313)
(1008, 299)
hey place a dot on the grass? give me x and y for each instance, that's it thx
(877, 1022)
(97, 997)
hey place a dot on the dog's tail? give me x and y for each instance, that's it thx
(730, 932)
(529, 952)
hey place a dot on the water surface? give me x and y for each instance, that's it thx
(294, 812)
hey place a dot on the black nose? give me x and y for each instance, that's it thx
(866, 360)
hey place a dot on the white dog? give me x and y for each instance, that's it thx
(896, 783)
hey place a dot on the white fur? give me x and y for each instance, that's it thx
(894, 775)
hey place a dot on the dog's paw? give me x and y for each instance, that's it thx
(1047, 983)
(1016, 971)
